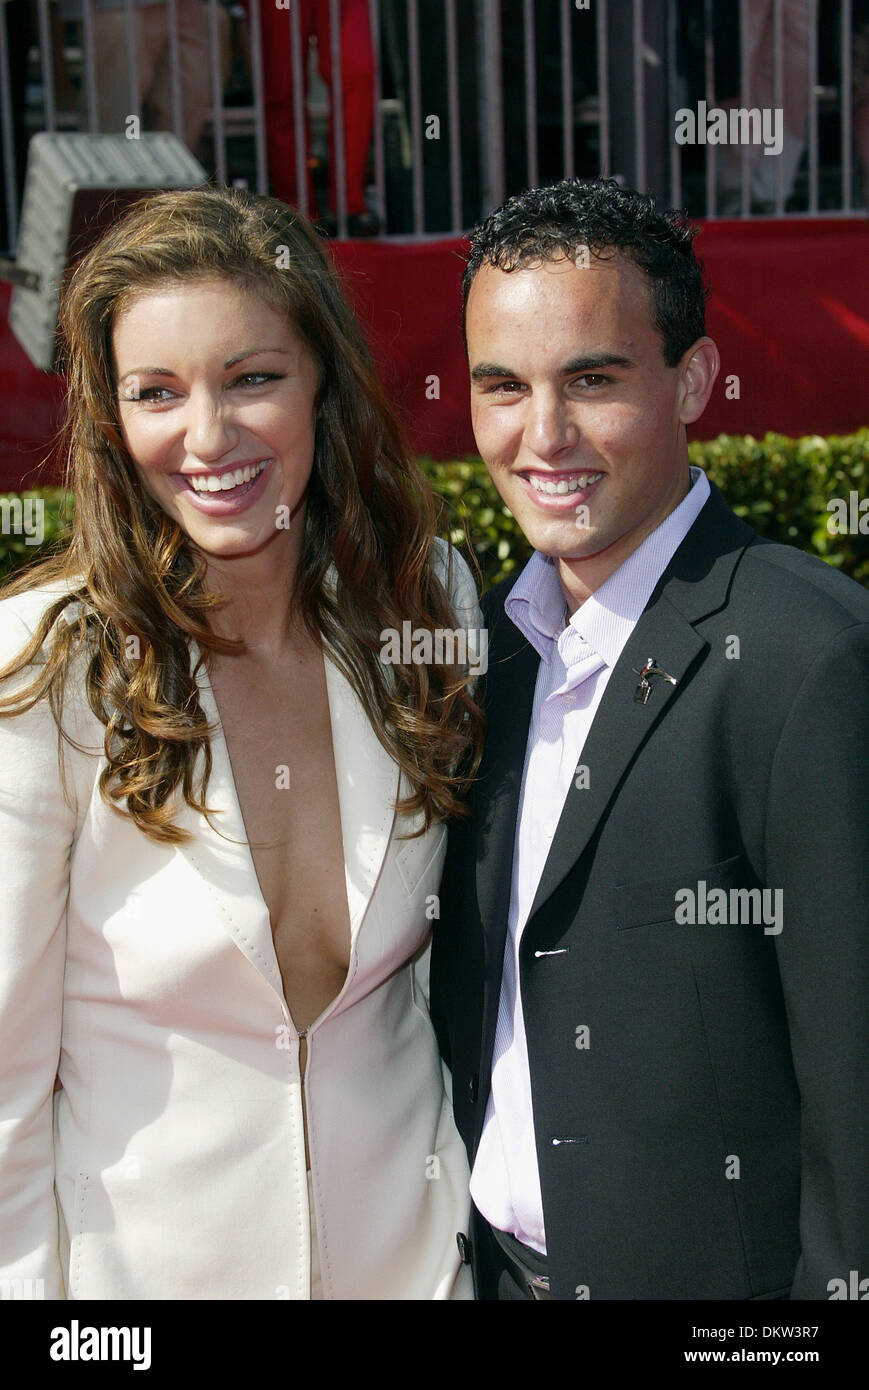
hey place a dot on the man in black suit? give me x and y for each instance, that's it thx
(650, 976)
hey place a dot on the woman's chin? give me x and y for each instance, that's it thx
(235, 542)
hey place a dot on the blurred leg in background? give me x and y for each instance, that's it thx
(20, 19)
(759, 47)
(861, 94)
(195, 59)
(151, 30)
(357, 85)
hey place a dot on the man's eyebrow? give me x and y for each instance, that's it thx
(593, 364)
(484, 370)
(240, 357)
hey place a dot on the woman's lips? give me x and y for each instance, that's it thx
(231, 501)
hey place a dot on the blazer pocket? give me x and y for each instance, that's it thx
(414, 857)
(654, 901)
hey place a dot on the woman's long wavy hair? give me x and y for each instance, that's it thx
(132, 571)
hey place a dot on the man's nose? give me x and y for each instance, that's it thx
(211, 429)
(551, 429)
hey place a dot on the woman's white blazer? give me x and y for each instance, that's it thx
(171, 1164)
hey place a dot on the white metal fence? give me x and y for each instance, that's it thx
(725, 107)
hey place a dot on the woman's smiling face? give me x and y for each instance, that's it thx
(216, 396)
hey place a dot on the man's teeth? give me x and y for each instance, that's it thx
(224, 482)
(576, 484)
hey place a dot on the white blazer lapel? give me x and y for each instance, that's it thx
(221, 855)
(367, 787)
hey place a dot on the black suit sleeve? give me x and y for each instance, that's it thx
(817, 852)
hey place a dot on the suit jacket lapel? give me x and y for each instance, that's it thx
(620, 727)
(508, 702)
(513, 665)
(694, 584)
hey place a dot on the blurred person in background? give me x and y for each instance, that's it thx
(760, 93)
(357, 95)
(151, 42)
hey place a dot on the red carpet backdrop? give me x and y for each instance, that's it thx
(789, 311)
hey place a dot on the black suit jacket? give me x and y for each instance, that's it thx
(712, 1139)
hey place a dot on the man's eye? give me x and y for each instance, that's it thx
(506, 387)
(593, 379)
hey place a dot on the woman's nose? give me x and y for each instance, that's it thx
(211, 431)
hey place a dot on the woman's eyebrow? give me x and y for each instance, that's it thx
(240, 357)
(251, 352)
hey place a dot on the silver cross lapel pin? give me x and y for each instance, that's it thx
(644, 689)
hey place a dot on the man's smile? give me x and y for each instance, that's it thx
(559, 490)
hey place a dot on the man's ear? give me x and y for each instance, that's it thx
(700, 367)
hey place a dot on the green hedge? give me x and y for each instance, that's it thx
(15, 550)
(780, 486)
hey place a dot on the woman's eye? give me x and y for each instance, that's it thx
(150, 393)
(256, 378)
(161, 394)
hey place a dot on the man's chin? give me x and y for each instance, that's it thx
(566, 547)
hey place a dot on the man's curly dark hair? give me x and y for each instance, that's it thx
(548, 224)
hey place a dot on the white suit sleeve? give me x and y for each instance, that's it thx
(466, 605)
(37, 829)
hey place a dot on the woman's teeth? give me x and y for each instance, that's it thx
(575, 484)
(225, 482)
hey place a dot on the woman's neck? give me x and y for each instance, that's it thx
(258, 588)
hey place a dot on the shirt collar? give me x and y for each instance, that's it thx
(536, 603)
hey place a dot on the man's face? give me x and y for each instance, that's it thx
(578, 417)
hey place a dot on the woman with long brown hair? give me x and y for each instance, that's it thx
(222, 807)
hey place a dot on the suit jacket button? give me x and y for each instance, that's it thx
(473, 1088)
(464, 1248)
